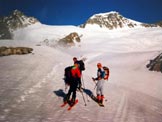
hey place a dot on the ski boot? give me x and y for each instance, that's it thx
(102, 97)
(98, 98)
(66, 99)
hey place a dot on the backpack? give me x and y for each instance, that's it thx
(68, 75)
(81, 65)
(106, 69)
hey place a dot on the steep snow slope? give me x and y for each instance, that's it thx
(32, 88)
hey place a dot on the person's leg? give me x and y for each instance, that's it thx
(98, 91)
(67, 97)
(102, 98)
(98, 98)
(74, 91)
(102, 90)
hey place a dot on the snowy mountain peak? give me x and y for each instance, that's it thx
(104, 14)
(17, 13)
(18, 20)
(112, 20)
(14, 21)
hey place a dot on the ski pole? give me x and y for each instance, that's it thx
(83, 98)
(84, 88)
(95, 86)
(94, 82)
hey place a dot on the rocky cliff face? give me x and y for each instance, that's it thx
(4, 31)
(70, 39)
(15, 21)
(155, 64)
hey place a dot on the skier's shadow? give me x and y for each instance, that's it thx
(60, 93)
(88, 92)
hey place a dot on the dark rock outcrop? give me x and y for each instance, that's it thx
(5, 51)
(70, 39)
(159, 23)
(4, 31)
(155, 64)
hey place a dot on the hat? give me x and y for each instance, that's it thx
(99, 64)
(74, 59)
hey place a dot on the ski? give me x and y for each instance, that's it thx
(95, 99)
(101, 104)
(63, 104)
(70, 107)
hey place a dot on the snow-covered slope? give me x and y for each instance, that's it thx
(32, 88)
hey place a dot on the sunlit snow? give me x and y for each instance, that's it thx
(32, 86)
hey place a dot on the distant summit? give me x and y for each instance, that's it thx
(15, 21)
(159, 23)
(113, 20)
(18, 20)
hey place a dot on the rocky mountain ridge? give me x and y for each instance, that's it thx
(110, 20)
(113, 20)
(15, 21)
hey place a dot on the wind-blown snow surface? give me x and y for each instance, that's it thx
(32, 88)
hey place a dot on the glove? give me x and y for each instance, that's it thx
(93, 78)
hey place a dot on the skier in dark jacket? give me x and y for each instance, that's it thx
(73, 84)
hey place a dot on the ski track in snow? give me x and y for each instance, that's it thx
(38, 85)
(121, 111)
(30, 92)
(33, 91)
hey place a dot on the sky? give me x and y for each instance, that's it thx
(76, 12)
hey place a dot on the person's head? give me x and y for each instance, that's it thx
(99, 65)
(74, 59)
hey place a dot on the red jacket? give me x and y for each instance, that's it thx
(75, 72)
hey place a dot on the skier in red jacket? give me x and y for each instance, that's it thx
(73, 84)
